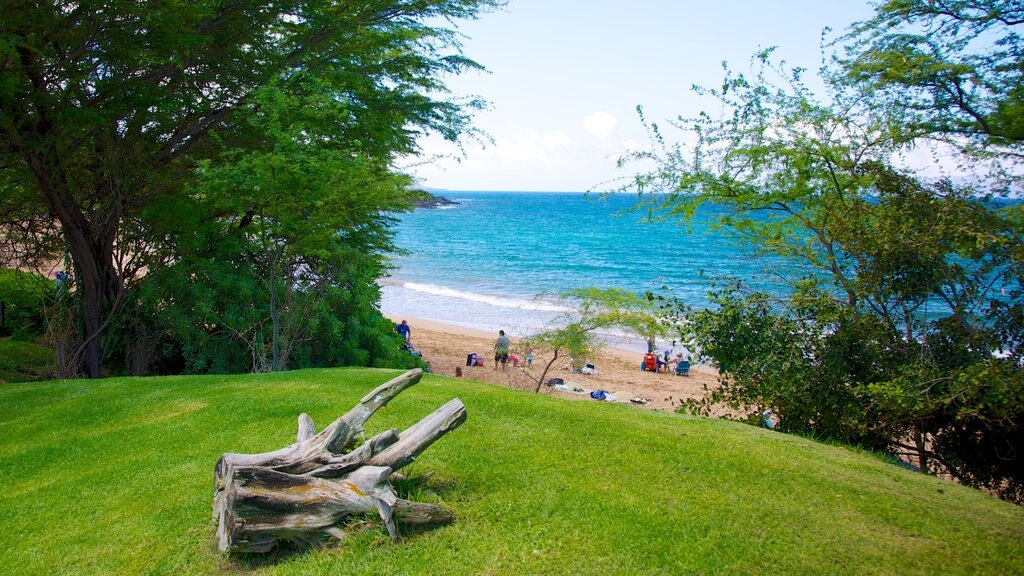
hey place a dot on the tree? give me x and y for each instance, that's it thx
(897, 323)
(576, 332)
(108, 106)
(278, 264)
(315, 207)
(956, 65)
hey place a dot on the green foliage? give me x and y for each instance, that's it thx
(112, 477)
(204, 317)
(116, 116)
(955, 65)
(277, 268)
(23, 295)
(575, 333)
(24, 362)
(896, 293)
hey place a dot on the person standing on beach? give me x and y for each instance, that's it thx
(404, 330)
(501, 348)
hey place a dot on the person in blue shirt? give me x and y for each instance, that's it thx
(404, 330)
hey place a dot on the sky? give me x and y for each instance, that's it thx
(565, 77)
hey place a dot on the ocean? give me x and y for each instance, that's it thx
(498, 260)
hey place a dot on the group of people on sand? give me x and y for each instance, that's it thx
(502, 348)
(665, 359)
(405, 331)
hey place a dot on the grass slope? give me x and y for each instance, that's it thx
(24, 361)
(114, 477)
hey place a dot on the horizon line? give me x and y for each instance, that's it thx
(433, 189)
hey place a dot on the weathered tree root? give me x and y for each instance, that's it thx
(299, 493)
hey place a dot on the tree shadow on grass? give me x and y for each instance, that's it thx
(289, 550)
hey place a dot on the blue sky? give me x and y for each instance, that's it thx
(566, 77)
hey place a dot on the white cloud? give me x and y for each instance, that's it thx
(600, 125)
(537, 155)
(518, 158)
(552, 140)
(526, 145)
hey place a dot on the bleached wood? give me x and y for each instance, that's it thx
(341, 464)
(306, 428)
(379, 397)
(311, 453)
(266, 506)
(299, 493)
(421, 435)
(420, 513)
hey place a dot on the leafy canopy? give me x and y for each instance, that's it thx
(108, 110)
(899, 322)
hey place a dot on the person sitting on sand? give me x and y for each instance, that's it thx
(663, 360)
(516, 360)
(501, 348)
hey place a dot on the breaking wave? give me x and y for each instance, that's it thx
(499, 301)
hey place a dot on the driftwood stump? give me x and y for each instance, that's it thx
(299, 493)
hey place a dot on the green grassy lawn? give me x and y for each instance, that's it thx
(24, 361)
(115, 477)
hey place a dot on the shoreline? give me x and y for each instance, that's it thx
(445, 347)
(457, 309)
(456, 330)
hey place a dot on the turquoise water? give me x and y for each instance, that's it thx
(482, 264)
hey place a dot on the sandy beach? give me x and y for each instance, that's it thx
(446, 346)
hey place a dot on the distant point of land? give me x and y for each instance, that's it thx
(431, 201)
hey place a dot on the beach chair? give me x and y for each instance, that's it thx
(650, 363)
(683, 368)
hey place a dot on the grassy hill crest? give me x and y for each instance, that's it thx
(113, 476)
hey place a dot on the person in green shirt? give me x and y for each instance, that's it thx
(501, 348)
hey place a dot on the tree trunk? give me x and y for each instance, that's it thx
(100, 288)
(299, 493)
(544, 374)
(91, 245)
(922, 451)
(92, 321)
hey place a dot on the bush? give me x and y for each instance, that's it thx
(212, 320)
